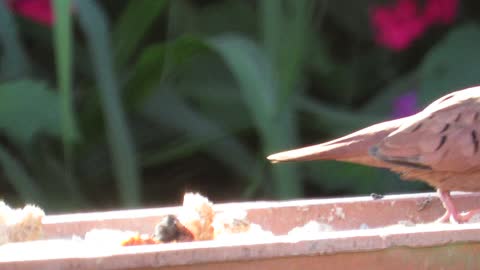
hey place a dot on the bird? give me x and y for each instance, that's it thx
(438, 145)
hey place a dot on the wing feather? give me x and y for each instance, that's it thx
(444, 137)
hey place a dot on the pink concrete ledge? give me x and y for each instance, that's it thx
(366, 235)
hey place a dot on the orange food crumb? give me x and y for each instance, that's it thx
(139, 240)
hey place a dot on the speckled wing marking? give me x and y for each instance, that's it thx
(443, 137)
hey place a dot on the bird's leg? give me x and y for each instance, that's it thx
(451, 213)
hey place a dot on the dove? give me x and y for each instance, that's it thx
(439, 145)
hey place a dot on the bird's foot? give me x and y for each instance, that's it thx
(457, 218)
(451, 214)
(444, 218)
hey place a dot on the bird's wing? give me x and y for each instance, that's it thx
(444, 137)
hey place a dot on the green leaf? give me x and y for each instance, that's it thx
(285, 37)
(285, 27)
(383, 102)
(199, 75)
(20, 180)
(352, 16)
(320, 60)
(342, 177)
(254, 74)
(28, 108)
(272, 24)
(294, 45)
(63, 51)
(14, 59)
(134, 22)
(333, 120)
(61, 189)
(93, 23)
(215, 18)
(180, 148)
(200, 132)
(212, 89)
(348, 178)
(452, 64)
(259, 87)
(156, 62)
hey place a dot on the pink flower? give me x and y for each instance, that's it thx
(40, 11)
(405, 105)
(440, 11)
(397, 26)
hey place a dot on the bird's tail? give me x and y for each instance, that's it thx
(354, 147)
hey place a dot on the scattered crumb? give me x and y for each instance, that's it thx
(376, 196)
(196, 221)
(336, 212)
(234, 221)
(170, 229)
(18, 225)
(303, 208)
(424, 203)
(197, 215)
(339, 213)
(311, 227)
(406, 223)
(234, 224)
(364, 226)
(254, 231)
(400, 224)
(106, 236)
(139, 239)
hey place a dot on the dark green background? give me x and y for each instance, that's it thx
(131, 103)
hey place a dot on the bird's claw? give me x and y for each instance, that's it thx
(457, 218)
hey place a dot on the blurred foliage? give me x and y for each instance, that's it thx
(130, 103)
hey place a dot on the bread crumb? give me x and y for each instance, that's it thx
(364, 226)
(197, 216)
(18, 225)
(335, 212)
(108, 236)
(254, 231)
(234, 221)
(339, 212)
(311, 227)
(406, 223)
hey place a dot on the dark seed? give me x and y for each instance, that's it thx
(170, 229)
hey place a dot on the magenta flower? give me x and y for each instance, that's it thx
(440, 11)
(397, 26)
(40, 11)
(405, 105)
